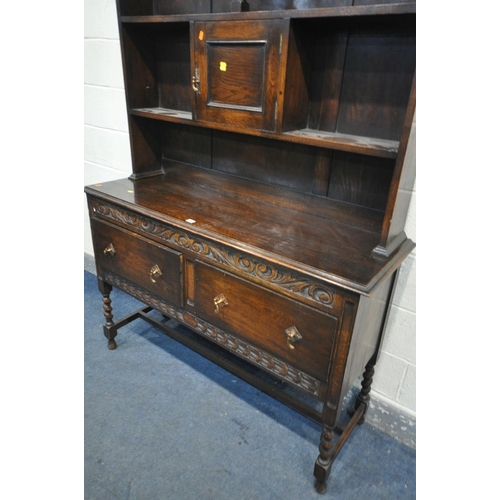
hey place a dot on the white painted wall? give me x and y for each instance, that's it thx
(107, 157)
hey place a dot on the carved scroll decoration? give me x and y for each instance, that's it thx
(284, 280)
(243, 349)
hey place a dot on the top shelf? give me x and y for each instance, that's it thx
(360, 10)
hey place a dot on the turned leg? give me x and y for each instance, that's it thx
(109, 327)
(323, 464)
(364, 394)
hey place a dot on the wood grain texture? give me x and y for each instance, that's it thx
(236, 73)
(174, 68)
(261, 317)
(298, 71)
(317, 138)
(378, 74)
(135, 257)
(190, 282)
(186, 144)
(382, 9)
(139, 66)
(244, 93)
(145, 141)
(258, 198)
(256, 5)
(363, 181)
(228, 209)
(402, 183)
(286, 165)
(180, 6)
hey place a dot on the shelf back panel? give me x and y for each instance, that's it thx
(378, 74)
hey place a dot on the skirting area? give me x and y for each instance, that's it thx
(163, 422)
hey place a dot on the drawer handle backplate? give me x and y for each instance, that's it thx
(110, 250)
(155, 273)
(293, 336)
(220, 301)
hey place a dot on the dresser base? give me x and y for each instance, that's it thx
(332, 438)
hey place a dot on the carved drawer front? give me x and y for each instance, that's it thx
(281, 326)
(149, 265)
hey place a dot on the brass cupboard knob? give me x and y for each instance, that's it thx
(110, 250)
(292, 336)
(220, 301)
(155, 273)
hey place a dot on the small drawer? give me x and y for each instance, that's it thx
(279, 325)
(147, 264)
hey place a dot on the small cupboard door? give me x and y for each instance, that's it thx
(236, 72)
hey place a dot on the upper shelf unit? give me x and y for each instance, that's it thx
(331, 82)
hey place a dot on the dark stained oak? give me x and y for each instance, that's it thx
(271, 316)
(336, 245)
(371, 7)
(332, 140)
(272, 171)
(135, 258)
(238, 64)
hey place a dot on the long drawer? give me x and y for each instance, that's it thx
(281, 326)
(149, 265)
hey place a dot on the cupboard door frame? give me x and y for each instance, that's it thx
(220, 99)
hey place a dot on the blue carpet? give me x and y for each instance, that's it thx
(162, 422)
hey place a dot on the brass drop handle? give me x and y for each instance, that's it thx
(292, 336)
(155, 273)
(110, 250)
(220, 301)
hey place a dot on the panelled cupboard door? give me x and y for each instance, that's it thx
(236, 72)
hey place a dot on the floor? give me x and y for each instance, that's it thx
(161, 422)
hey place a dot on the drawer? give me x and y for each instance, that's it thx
(135, 258)
(266, 319)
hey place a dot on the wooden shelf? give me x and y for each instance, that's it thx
(165, 114)
(343, 142)
(361, 10)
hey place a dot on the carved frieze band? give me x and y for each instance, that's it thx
(284, 280)
(243, 349)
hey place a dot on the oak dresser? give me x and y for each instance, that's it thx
(269, 192)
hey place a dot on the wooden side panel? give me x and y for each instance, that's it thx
(402, 184)
(145, 139)
(368, 329)
(298, 73)
(332, 50)
(347, 304)
(361, 180)
(174, 67)
(140, 70)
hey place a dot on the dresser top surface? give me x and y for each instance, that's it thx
(329, 240)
